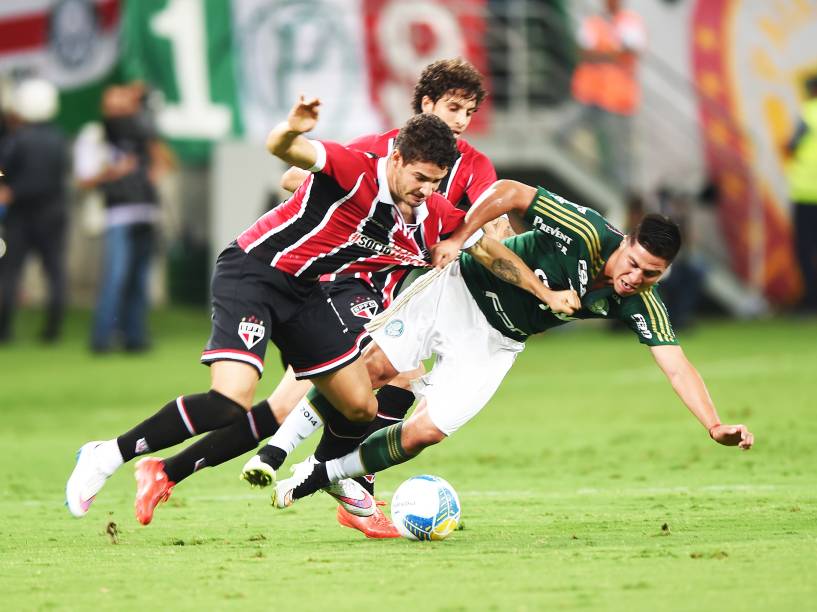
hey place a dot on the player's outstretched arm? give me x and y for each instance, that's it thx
(509, 267)
(287, 140)
(690, 387)
(501, 197)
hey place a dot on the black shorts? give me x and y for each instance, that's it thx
(356, 302)
(254, 303)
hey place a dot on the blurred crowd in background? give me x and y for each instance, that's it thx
(130, 130)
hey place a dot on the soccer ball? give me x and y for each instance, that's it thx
(425, 508)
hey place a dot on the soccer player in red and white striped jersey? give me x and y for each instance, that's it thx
(451, 89)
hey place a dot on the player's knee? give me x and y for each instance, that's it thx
(361, 409)
(380, 369)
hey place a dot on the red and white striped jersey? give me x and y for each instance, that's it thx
(343, 220)
(470, 175)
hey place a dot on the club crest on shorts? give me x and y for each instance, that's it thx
(394, 328)
(251, 331)
(363, 307)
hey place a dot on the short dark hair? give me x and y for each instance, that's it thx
(440, 77)
(660, 235)
(427, 138)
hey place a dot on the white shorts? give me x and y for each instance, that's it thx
(437, 315)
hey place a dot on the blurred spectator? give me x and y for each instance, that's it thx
(34, 159)
(124, 161)
(801, 173)
(606, 88)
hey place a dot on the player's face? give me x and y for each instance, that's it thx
(415, 181)
(636, 269)
(452, 108)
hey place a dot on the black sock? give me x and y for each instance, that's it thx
(223, 444)
(340, 435)
(179, 420)
(392, 405)
(316, 481)
(272, 456)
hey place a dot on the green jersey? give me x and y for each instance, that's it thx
(566, 248)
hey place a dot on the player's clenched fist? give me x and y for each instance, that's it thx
(565, 302)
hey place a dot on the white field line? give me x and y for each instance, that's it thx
(526, 493)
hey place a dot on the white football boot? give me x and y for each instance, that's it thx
(258, 473)
(282, 494)
(86, 480)
(351, 495)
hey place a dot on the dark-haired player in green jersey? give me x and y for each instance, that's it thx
(592, 270)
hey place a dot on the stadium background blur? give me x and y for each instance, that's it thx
(722, 83)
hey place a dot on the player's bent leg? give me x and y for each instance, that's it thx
(380, 369)
(235, 380)
(349, 391)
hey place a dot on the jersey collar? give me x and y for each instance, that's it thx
(384, 195)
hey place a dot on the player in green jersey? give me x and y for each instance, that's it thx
(592, 270)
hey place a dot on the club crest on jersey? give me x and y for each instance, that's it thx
(364, 308)
(600, 307)
(251, 331)
(394, 328)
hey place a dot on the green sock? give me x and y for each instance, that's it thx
(383, 449)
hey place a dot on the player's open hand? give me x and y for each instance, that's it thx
(564, 302)
(444, 252)
(304, 115)
(732, 435)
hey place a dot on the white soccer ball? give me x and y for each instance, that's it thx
(425, 508)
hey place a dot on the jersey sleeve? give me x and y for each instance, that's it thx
(341, 163)
(483, 177)
(568, 226)
(647, 316)
(450, 217)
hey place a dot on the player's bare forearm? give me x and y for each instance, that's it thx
(690, 387)
(509, 267)
(499, 229)
(501, 197)
(287, 141)
(291, 146)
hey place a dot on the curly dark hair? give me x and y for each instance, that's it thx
(440, 77)
(427, 138)
(660, 235)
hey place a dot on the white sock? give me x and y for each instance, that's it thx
(110, 459)
(348, 466)
(297, 427)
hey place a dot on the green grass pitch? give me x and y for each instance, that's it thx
(587, 492)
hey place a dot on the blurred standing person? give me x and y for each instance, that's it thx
(801, 173)
(34, 159)
(126, 172)
(606, 87)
